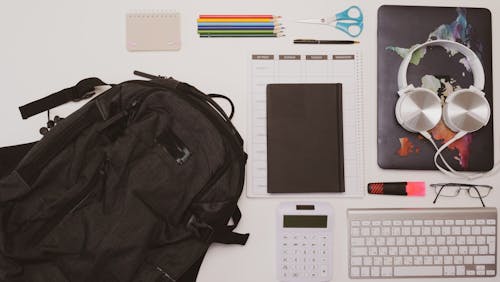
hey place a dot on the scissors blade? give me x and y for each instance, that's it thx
(313, 21)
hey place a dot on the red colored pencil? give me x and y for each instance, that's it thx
(238, 16)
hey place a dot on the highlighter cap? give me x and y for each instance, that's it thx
(415, 188)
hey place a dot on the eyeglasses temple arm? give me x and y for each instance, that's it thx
(435, 199)
(480, 198)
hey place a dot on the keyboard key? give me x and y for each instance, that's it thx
(367, 261)
(491, 221)
(355, 261)
(426, 231)
(403, 251)
(382, 251)
(484, 259)
(419, 260)
(393, 251)
(471, 240)
(488, 230)
(458, 260)
(359, 251)
(460, 271)
(415, 231)
(408, 260)
(380, 241)
(449, 222)
(468, 259)
(377, 261)
(398, 260)
(476, 230)
(490, 272)
(355, 232)
(446, 230)
(365, 223)
(418, 271)
(466, 230)
(455, 230)
(365, 271)
(375, 271)
(449, 270)
(481, 240)
(355, 271)
(428, 260)
(388, 260)
(483, 250)
(453, 250)
(365, 231)
(386, 271)
(370, 241)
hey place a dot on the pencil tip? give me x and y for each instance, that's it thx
(356, 42)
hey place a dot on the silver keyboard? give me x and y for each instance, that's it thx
(428, 242)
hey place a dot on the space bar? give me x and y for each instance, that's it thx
(418, 271)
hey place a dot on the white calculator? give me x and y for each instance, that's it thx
(304, 241)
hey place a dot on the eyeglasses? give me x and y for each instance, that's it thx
(453, 189)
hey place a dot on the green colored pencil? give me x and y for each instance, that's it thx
(240, 35)
(242, 31)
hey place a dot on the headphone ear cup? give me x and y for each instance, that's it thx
(418, 110)
(466, 110)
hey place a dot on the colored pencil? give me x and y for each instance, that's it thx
(239, 28)
(240, 35)
(238, 24)
(236, 20)
(239, 16)
(214, 31)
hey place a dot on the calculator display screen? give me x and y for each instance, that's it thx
(305, 221)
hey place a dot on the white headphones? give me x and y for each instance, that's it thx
(465, 110)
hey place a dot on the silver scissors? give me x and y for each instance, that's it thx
(349, 21)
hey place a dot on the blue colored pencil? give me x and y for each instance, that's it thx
(238, 28)
(238, 24)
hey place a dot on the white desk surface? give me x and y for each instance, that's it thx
(49, 45)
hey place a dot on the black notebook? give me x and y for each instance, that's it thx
(305, 148)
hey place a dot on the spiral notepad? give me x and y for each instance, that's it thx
(270, 68)
(153, 31)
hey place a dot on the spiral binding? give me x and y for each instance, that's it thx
(359, 114)
(152, 13)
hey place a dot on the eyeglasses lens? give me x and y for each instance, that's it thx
(482, 190)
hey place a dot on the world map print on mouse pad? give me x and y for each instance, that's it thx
(436, 68)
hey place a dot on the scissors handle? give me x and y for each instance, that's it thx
(344, 15)
(353, 29)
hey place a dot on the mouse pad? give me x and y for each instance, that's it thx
(438, 69)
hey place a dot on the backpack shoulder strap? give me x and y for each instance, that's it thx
(82, 90)
(226, 235)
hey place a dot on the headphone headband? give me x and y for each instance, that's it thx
(474, 62)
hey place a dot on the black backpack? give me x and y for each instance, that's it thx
(134, 186)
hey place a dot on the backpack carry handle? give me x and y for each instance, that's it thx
(227, 99)
(82, 90)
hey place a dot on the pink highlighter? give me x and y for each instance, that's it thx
(397, 188)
